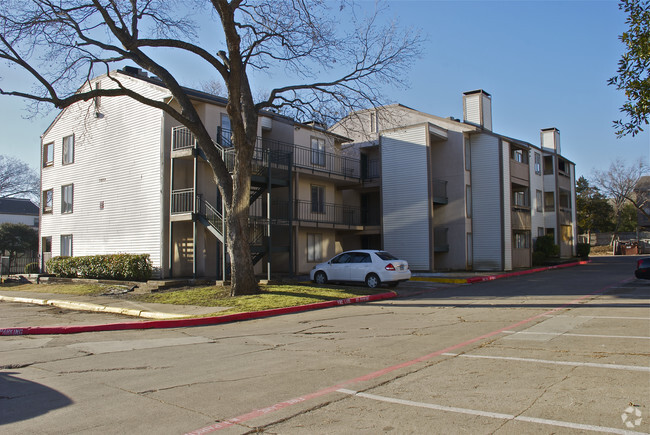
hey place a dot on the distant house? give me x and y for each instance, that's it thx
(19, 211)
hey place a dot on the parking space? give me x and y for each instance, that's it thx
(579, 369)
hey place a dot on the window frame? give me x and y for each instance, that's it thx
(47, 159)
(547, 204)
(317, 199)
(67, 245)
(67, 207)
(67, 150)
(47, 209)
(314, 247)
(317, 151)
(538, 164)
(539, 199)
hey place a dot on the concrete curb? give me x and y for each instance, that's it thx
(475, 279)
(86, 306)
(178, 323)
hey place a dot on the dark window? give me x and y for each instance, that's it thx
(386, 256)
(548, 165)
(317, 199)
(549, 201)
(343, 258)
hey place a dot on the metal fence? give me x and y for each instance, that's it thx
(19, 265)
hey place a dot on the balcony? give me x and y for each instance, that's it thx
(440, 192)
(315, 161)
(440, 241)
(521, 219)
(520, 172)
(328, 214)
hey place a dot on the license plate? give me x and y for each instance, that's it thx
(401, 268)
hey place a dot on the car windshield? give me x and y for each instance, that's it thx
(385, 256)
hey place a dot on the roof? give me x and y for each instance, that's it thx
(18, 206)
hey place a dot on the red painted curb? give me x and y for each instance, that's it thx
(201, 321)
(524, 272)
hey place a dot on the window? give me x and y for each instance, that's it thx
(360, 257)
(48, 154)
(540, 232)
(68, 150)
(373, 122)
(563, 167)
(317, 199)
(522, 239)
(314, 247)
(66, 245)
(468, 158)
(539, 199)
(549, 201)
(548, 165)
(538, 163)
(225, 122)
(48, 199)
(468, 201)
(564, 201)
(46, 243)
(520, 198)
(97, 100)
(470, 249)
(520, 156)
(67, 194)
(317, 151)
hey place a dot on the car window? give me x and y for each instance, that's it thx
(360, 257)
(645, 263)
(385, 256)
(343, 258)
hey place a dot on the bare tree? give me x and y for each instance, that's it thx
(330, 68)
(619, 183)
(18, 179)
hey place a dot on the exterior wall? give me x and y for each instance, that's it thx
(507, 206)
(448, 163)
(487, 210)
(116, 175)
(329, 247)
(406, 201)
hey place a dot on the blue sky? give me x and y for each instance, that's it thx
(545, 63)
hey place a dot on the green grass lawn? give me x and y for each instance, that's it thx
(272, 296)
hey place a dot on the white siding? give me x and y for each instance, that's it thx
(507, 213)
(472, 109)
(405, 196)
(486, 199)
(117, 162)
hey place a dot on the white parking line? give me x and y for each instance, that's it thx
(577, 335)
(600, 317)
(560, 363)
(488, 414)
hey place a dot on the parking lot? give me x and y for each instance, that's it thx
(564, 351)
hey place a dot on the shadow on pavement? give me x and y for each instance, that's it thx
(21, 399)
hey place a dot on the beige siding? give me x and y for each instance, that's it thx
(118, 163)
(406, 202)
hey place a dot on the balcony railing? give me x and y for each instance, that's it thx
(276, 152)
(371, 169)
(182, 201)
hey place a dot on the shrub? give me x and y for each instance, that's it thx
(136, 267)
(31, 268)
(539, 258)
(546, 245)
(583, 249)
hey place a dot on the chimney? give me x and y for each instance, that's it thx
(477, 108)
(550, 139)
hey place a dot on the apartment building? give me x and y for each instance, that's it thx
(121, 177)
(455, 195)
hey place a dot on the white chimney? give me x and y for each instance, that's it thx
(477, 108)
(550, 139)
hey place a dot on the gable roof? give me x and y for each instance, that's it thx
(18, 206)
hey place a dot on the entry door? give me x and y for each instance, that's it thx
(566, 240)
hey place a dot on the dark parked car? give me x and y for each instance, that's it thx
(642, 268)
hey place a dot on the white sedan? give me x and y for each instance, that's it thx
(369, 266)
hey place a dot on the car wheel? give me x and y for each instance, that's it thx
(320, 278)
(372, 281)
(393, 284)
